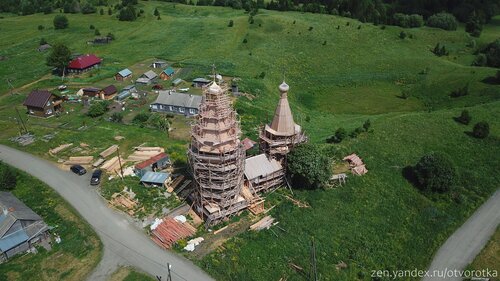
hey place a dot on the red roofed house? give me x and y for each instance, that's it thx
(42, 103)
(153, 164)
(108, 93)
(84, 63)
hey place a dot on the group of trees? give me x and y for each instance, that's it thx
(489, 55)
(480, 130)
(152, 120)
(28, 7)
(8, 177)
(341, 133)
(98, 108)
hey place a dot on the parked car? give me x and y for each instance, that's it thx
(96, 177)
(79, 170)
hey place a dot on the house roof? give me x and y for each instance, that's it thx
(151, 161)
(201, 80)
(169, 71)
(125, 72)
(109, 90)
(283, 122)
(159, 62)
(248, 143)
(129, 87)
(178, 99)
(11, 210)
(260, 166)
(37, 98)
(155, 177)
(177, 81)
(149, 75)
(90, 89)
(84, 61)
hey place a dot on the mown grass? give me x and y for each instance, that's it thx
(74, 258)
(378, 221)
(489, 257)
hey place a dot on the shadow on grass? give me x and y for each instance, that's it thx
(409, 174)
(492, 80)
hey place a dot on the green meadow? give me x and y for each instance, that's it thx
(341, 72)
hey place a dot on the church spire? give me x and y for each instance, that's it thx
(283, 122)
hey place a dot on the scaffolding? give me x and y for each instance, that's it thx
(216, 157)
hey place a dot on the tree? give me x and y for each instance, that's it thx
(464, 117)
(159, 122)
(339, 136)
(481, 130)
(59, 57)
(110, 12)
(156, 12)
(141, 118)
(88, 9)
(474, 26)
(97, 33)
(60, 22)
(8, 177)
(111, 36)
(116, 117)
(101, 11)
(435, 172)
(367, 125)
(231, 23)
(443, 20)
(41, 27)
(127, 14)
(402, 35)
(460, 92)
(308, 166)
(98, 108)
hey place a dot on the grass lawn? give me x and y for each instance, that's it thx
(489, 258)
(74, 258)
(378, 221)
(130, 274)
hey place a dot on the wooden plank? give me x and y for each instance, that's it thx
(110, 150)
(60, 148)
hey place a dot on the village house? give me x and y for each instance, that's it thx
(147, 78)
(158, 64)
(42, 103)
(153, 164)
(167, 73)
(108, 93)
(200, 82)
(123, 75)
(172, 102)
(20, 227)
(83, 63)
(90, 92)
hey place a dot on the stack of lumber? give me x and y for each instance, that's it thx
(121, 200)
(60, 148)
(98, 162)
(79, 160)
(170, 231)
(175, 183)
(264, 223)
(112, 165)
(110, 150)
(144, 153)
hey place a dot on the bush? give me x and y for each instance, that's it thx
(262, 75)
(98, 108)
(480, 60)
(435, 172)
(354, 134)
(460, 92)
(116, 117)
(245, 41)
(60, 22)
(474, 26)
(97, 33)
(156, 12)
(440, 50)
(8, 177)
(464, 117)
(159, 122)
(43, 41)
(339, 135)
(408, 20)
(443, 20)
(127, 14)
(110, 12)
(92, 27)
(101, 11)
(88, 9)
(308, 166)
(481, 130)
(141, 118)
(231, 23)
(111, 36)
(367, 125)
(41, 27)
(402, 35)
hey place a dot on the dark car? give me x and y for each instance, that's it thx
(96, 177)
(79, 170)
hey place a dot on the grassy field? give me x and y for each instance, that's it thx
(489, 258)
(129, 274)
(74, 258)
(378, 221)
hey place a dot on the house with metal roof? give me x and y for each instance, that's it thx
(179, 103)
(126, 92)
(147, 78)
(83, 63)
(20, 227)
(42, 103)
(167, 73)
(155, 179)
(263, 173)
(200, 82)
(123, 74)
(153, 164)
(158, 64)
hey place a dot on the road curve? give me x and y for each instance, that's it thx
(466, 242)
(124, 244)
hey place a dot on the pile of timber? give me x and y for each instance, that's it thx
(110, 150)
(264, 223)
(98, 162)
(122, 200)
(171, 187)
(112, 165)
(79, 160)
(170, 231)
(60, 148)
(143, 153)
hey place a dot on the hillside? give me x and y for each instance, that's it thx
(378, 221)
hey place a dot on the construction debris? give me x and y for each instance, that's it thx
(264, 223)
(112, 165)
(122, 199)
(337, 179)
(356, 164)
(194, 216)
(169, 231)
(297, 202)
(110, 150)
(98, 162)
(119, 138)
(220, 230)
(341, 265)
(171, 187)
(191, 244)
(60, 148)
(24, 140)
(79, 160)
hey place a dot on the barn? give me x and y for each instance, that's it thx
(83, 63)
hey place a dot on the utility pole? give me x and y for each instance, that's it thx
(119, 161)
(313, 272)
(169, 278)
(22, 121)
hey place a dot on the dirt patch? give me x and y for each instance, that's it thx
(120, 274)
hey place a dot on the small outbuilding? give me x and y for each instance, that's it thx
(90, 92)
(155, 179)
(167, 73)
(108, 93)
(20, 228)
(147, 78)
(44, 47)
(159, 64)
(176, 82)
(153, 164)
(200, 82)
(123, 74)
(43, 103)
(179, 103)
(126, 92)
(83, 63)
